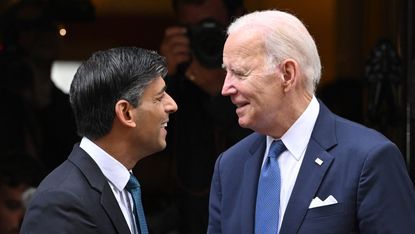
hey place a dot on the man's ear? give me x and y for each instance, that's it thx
(123, 112)
(289, 69)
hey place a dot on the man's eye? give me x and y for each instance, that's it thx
(160, 98)
(240, 75)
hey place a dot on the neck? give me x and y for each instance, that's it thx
(289, 115)
(119, 150)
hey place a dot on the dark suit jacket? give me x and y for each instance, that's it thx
(74, 198)
(362, 169)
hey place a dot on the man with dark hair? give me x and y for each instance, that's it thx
(121, 110)
(206, 123)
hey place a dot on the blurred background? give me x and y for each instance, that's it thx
(367, 50)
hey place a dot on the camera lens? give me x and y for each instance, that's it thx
(206, 40)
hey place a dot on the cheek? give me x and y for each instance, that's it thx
(252, 92)
(148, 113)
(153, 118)
(148, 124)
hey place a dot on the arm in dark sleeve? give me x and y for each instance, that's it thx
(57, 212)
(386, 195)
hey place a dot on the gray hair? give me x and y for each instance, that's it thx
(285, 36)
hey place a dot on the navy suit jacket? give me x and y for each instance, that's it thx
(362, 169)
(74, 198)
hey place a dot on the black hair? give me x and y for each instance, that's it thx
(109, 76)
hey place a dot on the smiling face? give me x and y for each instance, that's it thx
(151, 117)
(255, 89)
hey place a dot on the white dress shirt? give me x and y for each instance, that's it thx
(296, 140)
(117, 176)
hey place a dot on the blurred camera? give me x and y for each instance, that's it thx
(206, 40)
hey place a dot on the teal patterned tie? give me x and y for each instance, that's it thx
(133, 186)
(268, 196)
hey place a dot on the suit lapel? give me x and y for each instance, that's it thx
(250, 184)
(99, 183)
(113, 210)
(309, 178)
(311, 174)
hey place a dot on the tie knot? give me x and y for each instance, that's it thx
(277, 147)
(132, 183)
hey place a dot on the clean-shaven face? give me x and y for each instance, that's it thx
(152, 116)
(254, 88)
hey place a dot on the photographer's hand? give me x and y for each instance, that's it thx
(208, 79)
(175, 47)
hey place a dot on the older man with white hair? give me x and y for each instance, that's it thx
(305, 169)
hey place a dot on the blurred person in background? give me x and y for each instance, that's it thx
(30, 29)
(50, 106)
(25, 64)
(206, 123)
(19, 129)
(19, 176)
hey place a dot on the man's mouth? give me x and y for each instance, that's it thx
(164, 124)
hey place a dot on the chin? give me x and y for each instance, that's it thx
(243, 123)
(163, 145)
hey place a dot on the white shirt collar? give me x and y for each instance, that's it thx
(116, 173)
(298, 135)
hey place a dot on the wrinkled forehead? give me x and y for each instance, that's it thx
(241, 46)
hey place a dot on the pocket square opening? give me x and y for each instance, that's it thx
(317, 202)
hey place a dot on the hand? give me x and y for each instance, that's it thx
(175, 47)
(208, 79)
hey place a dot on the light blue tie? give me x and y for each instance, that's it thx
(134, 188)
(268, 196)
